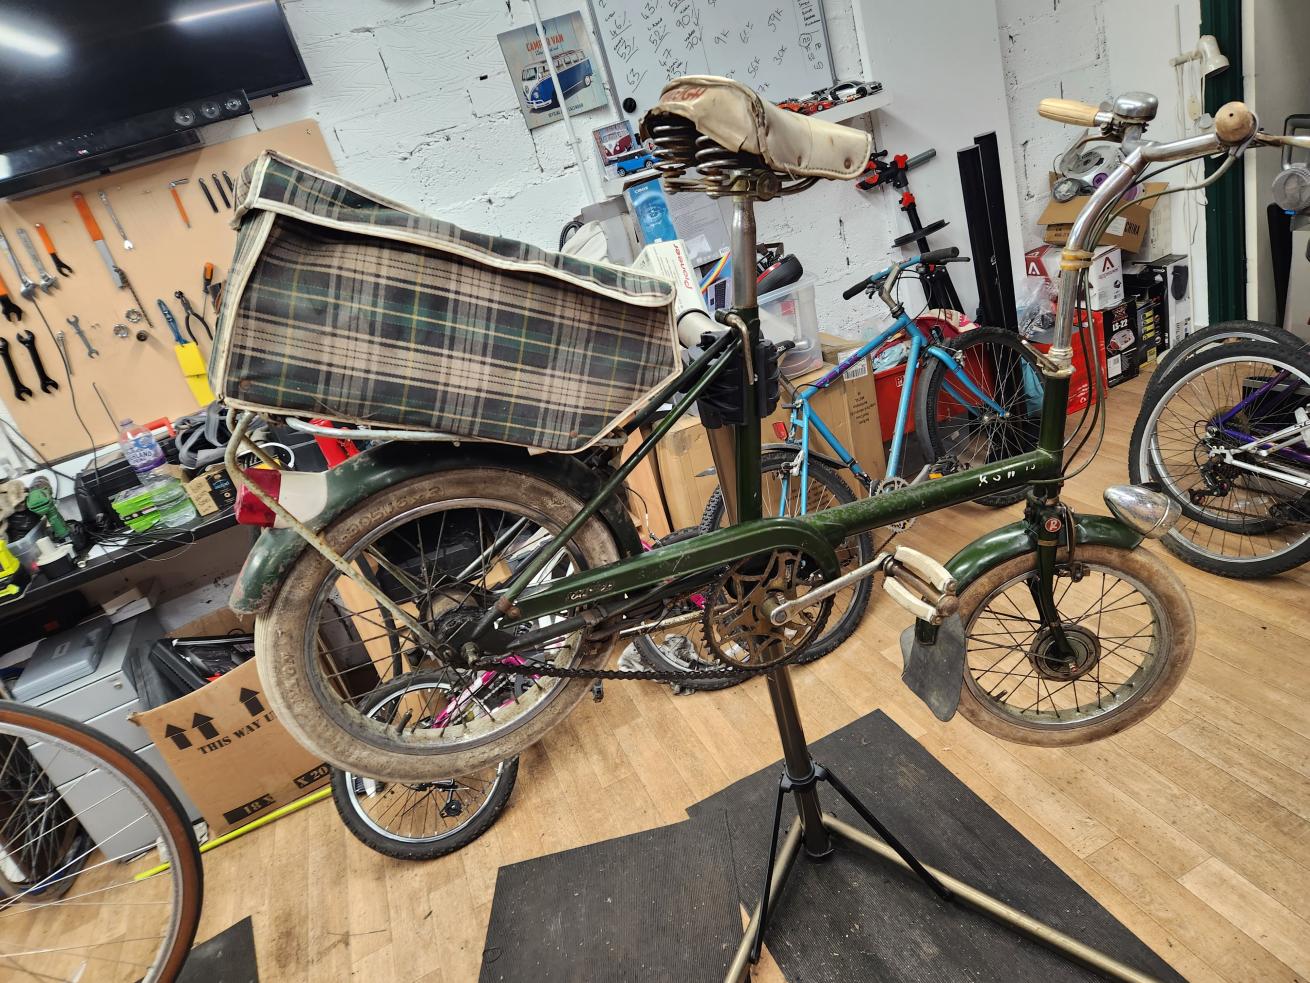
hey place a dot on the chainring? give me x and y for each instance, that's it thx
(736, 622)
(890, 485)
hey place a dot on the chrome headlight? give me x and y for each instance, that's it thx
(1143, 509)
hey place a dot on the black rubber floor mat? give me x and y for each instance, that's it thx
(229, 957)
(653, 906)
(857, 917)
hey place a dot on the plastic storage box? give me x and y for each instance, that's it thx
(789, 315)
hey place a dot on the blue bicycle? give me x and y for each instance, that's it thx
(976, 399)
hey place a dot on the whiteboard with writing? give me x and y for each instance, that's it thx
(777, 47)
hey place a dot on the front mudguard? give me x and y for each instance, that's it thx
(384, 465)
(934, 655)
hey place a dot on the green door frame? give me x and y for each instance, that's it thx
(1225, 206)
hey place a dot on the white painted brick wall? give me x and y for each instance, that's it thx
(415, 102)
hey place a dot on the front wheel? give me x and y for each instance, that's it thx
(442, 547)
(1130, 628)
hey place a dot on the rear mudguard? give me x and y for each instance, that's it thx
(934, 657)
(384, 465)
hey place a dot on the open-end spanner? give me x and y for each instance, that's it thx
(8, 308)
(48, 283)
(91, 351)
(21, 392)
(28, 341)
(26, 287)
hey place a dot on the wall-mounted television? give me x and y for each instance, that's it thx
(86, 85)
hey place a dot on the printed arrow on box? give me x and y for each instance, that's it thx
(178, 736)
(249, 698)
(205, 725)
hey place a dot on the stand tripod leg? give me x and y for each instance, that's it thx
(902, 851)
(762, 918)
(739, 968)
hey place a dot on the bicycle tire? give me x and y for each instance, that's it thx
(841, 625)
(1206, 338)
(932, 429)
(116, 760)
(369, 827)
(1178, 541)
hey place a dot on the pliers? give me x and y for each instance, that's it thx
(190, 312)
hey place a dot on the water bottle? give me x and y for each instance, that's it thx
(140, 448)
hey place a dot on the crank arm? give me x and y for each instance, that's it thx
(914, 580)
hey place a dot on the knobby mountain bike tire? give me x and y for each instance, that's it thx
(1002, 368)
(107, 877)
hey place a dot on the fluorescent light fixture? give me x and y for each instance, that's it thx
(28, 44)
(220, 11)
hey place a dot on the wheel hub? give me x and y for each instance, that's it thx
(1044, 653)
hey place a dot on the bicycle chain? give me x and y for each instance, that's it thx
(654, 675)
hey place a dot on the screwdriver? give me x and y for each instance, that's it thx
(204, 291)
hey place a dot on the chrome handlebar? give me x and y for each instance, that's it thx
(1236, 129)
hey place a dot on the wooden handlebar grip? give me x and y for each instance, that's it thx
(1234, 123)
(45, 238)
(89, 220)
(1069, 111)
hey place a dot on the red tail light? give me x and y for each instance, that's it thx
(780, 429)
(250, 511)
(301, 493)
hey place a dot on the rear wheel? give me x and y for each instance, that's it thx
(960, 430)
(1207, 338)
(1236, 522)
(1130, 627)
(442, 547)
(780, 493)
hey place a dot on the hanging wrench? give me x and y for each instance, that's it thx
(91, 350)
(28, 341)
(26, 287)
(113, 217)
(48, 283)
(21, 392)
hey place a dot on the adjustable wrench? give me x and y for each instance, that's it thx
(26, 287)
(48, 283)
(28, 341)
(91, 350)
(21, 392)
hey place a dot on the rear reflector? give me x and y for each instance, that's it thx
(303, 494)
(780, 429)
(250, 511)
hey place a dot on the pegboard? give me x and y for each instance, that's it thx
(140, 380)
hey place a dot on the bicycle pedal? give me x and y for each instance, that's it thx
(921, 585)
(925, 567)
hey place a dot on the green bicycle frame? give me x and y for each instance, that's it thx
(815, 535)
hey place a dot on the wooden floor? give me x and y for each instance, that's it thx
(1193, 828)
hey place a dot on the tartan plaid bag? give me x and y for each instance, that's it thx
(341, 304)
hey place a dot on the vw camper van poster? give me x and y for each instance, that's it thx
(576, 66)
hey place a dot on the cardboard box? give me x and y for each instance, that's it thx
(849, 407)
(1159, 232)
(1117, 329)
(1127, 230)
(1105, 283)
(645, 499)
(233, 758)
(1175, 319)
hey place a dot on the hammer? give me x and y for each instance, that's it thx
(177, 200)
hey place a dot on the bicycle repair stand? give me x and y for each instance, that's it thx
(815, 830)
(938, 288)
